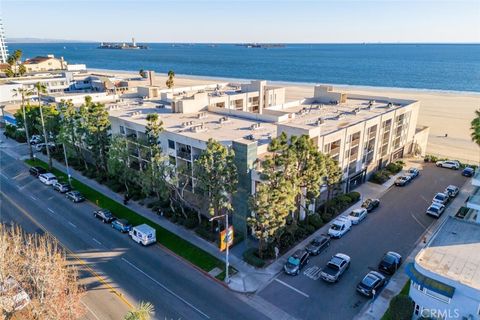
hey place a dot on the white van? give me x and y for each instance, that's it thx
(339, 227)
(143, 234)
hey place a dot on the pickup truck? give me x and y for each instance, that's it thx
(335, 267)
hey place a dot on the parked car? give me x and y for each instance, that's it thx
(47, 178)
(402, 181)
(441, 198)
(75, 196)
(62, 187)
(296, 262)
(335, 267)
(122, 225)
(435, 209)
(357, 215)
(41, 146)
(339, 227)
(317, 245)
(449, 164)
(413, 172)
(371, 204)
(35, 139)
(390, 263)
(451, 191)
(468, 172)
(104, 215)
(371, 283)
(143, 234)
(36, 171)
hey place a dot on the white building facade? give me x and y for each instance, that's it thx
(3, 44)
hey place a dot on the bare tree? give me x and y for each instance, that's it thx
(36, 280)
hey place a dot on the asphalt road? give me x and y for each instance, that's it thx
(139, 273)
(396, 225)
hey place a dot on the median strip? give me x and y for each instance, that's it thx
(171, 241)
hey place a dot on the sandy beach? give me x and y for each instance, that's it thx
(444, 112)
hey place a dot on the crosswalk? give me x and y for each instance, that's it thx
(313, 272)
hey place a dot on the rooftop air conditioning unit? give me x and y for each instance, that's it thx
(320, 121)
(202, 115)
(255, 126)
(389, 105)
(250, 137)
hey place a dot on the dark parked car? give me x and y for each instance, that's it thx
(296, 262)
(391, 261)
(372, 281)
(122, 225)
(61, 187)
(371, 204)
(318, 245)
(413, 172)
(468, 172)
(402, 181)
(103, 214)
(75, 196)
(36, 171)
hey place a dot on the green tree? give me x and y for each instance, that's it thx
(40, 89)
(97, 125)
(119, 162)
(144, 311)
(15, 68)
(171, 80)
(333, 177)
(72, 129)
(401, 308)
(216, 176)
(475, 127)
(25, 94)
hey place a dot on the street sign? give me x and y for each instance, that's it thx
(226, 238)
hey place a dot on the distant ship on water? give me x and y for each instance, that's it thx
(122, 46)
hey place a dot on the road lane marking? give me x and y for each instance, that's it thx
(418, 221)
(3, 175)
(33, 198)
(90, 310)
(97, 241)
(71, 253)
(51, 210)
(293, 288)
(165, 288)
(72, 224)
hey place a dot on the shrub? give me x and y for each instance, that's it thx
(380, 176)
(250, 257)
(394, 168)
(327, 217)
(206, 234)
(315, 220)
(191, 222)
(286, 240)
(354, 196)
(300, 233)
(310, 228)
(401, 308)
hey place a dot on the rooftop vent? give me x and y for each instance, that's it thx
(136, 113)
(371, 103)
(389, 105)
(250, 137)
(198, 128)
(255, 126)
(356, 110)
(187, 124)
(224, 120)
(320, 121)
(202, 115)
(160, 106)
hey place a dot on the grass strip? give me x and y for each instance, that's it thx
(183, 248)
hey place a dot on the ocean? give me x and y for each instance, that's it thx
(451, 67)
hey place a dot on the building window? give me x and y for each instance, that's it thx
(122, 129)
(171, 144)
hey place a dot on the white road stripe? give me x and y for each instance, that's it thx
(293, 288)
(165, 288)
(91, 311)
(418, 221)
(72, 224)
(51, 210)
(97, 241)
(4, 176)
(33, 198)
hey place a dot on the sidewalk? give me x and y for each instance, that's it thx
(375, 310)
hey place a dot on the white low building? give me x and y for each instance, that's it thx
(445, 277)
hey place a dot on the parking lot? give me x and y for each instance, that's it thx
(396, 225)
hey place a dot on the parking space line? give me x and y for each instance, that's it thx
(165, 288)
(293, 288)
(51, 210)
(72, 224)
(97, 241)
(418, 221)
(33, 198)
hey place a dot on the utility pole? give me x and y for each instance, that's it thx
(227, 241)
(66, 163)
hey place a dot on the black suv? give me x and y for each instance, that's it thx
(296, 262)
(371, 284)
(36, 171)
(104, 215)
(371, 204)
(318, 245)
(390, 263)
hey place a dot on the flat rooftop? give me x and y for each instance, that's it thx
(233, 129)
(335, 117)
(454, 253)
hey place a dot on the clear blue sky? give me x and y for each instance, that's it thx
(245, 21)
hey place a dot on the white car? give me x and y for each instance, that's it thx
(436, 209)
(451, 191)
(357, 215)
(339, 227)
(48, 178)
(35, 139)
(40, 146)
(450, 164)
(441, 198)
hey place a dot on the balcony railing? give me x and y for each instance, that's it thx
(184, 155)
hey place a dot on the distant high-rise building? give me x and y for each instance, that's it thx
(3, 45)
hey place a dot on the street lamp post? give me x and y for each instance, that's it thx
(227, 240)
(66, 163)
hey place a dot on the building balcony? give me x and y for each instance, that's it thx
(476, 179)
(184, 155)
(473, 201)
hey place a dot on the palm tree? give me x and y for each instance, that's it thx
(25, 93)
(143, 312)
(170, 81)
(40, 88)
(475, 127)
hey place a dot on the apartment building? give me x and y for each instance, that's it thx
(445, 276)
(362, 133)
(3, 45)
(47, 63)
